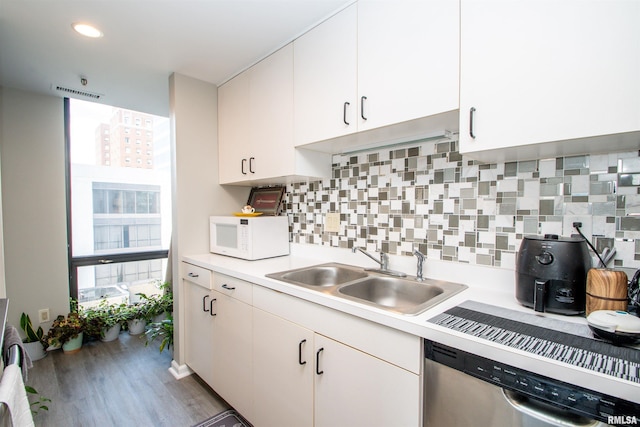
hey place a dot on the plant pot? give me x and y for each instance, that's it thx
(35, 350)
(160, 317)
(74, 345)
(110, 334)
(136, 326)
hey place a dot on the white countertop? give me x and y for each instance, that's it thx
(485, 284)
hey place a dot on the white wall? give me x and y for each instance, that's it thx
(196, 192)
(33, 204)
(3, 289)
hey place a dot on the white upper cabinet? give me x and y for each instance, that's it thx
(539, 71)
(256, 120)
(255, 112)
(325, 73)
(234, 149)
(408, 60)
(374, 64)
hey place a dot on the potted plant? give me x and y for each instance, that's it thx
(158, 306)
(67, 332)
(137, 316)
(162, 330)
(104, 320)
(34, 342)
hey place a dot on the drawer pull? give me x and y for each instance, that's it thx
(204, 303)
(471, 114)
(362, 99)
(211, 313)
(229, 288)
(242, 166)
(344, 113)
(194, 275)
(300, 361)
(318, 371)
(251, 159)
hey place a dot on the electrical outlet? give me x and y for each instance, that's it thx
(43, 315)
(332, 222)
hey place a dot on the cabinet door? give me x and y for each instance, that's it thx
(408, 60)
(271, 116)
(325, 73)
(231, 362)
(542, 70)
(356, 389)
(283, 362)
(199, 330)
(233, 129)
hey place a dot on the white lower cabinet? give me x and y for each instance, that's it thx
(314, 366)
(353, 388)
(302, 378)
(282, 361)
(231, 352)
(282, 372)
(199, 327)
(218, 334)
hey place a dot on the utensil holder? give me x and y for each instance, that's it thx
(606, 290)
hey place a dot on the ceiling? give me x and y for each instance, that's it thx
(144, 42)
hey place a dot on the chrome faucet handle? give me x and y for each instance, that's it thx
(384, 261)
(421, 258)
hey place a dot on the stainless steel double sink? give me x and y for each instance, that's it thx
(399, 295)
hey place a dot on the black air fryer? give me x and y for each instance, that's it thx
(551, 273)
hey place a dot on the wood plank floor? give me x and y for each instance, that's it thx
(119, 383)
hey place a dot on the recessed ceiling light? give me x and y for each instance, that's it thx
(87, 30)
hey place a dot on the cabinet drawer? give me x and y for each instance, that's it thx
(235, 288)
(198, 275)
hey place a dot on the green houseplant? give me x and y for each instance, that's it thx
(136, 316)
(67, 332)
(34, 341)
(158, 305)
(103, 321)
(162, 330)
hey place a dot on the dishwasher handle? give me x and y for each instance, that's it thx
(546, 412)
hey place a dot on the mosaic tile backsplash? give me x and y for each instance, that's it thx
(430, 197)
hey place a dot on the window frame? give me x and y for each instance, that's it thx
(91, 260)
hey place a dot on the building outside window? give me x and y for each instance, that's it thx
(120, 210)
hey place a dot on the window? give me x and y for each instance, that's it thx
(120, 215)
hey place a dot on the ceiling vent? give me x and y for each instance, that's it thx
(76, 92)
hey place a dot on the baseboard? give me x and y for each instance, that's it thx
(179, 371)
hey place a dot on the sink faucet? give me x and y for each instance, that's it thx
(421, 257)
(384, 258)
(384, 263)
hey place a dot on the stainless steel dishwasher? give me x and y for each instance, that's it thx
(463, 390)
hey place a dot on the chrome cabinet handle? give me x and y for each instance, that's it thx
(204, 304)
(194, 275)
(105, 261)
(362, 99)
(211, 313)
(225, 286)
(471, 116)
(318, 371)
(300, 361)
(344, 113)
(242, 166)
(251, 159)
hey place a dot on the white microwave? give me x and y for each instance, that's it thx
(249, 238)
